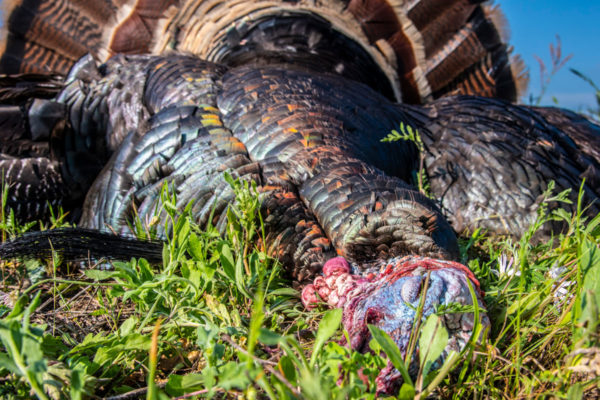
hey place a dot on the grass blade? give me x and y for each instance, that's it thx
(329, 324)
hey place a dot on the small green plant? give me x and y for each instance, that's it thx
(557, 62)
(594, 113)
(407, 133)
(27, 349)
(9, 226)
(23, 343)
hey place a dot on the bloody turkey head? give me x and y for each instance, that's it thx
(390, 299)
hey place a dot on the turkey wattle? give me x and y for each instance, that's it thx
(296, 97)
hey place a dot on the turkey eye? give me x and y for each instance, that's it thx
(373, 316)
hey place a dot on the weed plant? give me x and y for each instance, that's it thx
(217, 319)
(408, 134)
(594, 113)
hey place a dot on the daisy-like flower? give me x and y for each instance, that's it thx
(560, 287)
(507, 266)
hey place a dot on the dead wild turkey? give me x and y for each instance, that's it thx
(296, 97)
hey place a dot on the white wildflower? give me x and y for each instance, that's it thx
(507, 266)
(560, 287)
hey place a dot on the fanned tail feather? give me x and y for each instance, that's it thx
(422, 49)
(17, 89)
(49, 36)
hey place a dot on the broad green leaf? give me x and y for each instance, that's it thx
(588, 299)
(432, 342)
(210, 377)
(7, 362)
(24, 351)
(392, 351)
(327, 327)
(286, 365)
(407, 392)
(227, 261)
(195, 276)
(207, 337)
(312, 387)
(18, 307)
(128, 325)
(127, 272)
(145, 270)
(36, 271)
(32, 350)
(195, 247)
(592, 225)
(53, 346)
(30, 309)
(166, 255)
(77, 384)
(239, 277)
(590, 267)
(375, 346)
(283, 292)
(179, 385)
(182, 230)
(256, 321)
(269, 338)
(132, 342)
(575, 392)
(100, 274)
(588, 317)
(234, 375)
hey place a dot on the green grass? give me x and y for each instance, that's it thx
(216, 319)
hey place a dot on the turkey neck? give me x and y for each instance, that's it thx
(319, 135)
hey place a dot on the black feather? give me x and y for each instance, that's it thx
(79, 244)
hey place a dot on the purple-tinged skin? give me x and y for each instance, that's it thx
(389, 299)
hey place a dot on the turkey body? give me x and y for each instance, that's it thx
(488, 162)
(292, 131)
(296, 99)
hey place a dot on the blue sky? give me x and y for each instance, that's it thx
(534, 24)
